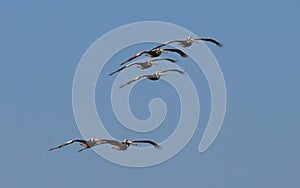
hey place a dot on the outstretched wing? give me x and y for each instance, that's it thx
(166, 43)
(148, 142)
(167, 59)
(177, 51)
(133, 57)
(211, 40)
(117, 70)
(133, 80)
(124, 67)
(176, 70)
(82, 150)
(67, 143)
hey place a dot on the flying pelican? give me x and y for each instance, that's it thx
(143, 65)
(154, 76)
(155, 52)
(85, 143)
(189, 41)
(121, 146)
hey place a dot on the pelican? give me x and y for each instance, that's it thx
(155, 52)
(154, 76)
(120, 146)
(189, 41)
(144, 65)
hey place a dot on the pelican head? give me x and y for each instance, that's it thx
(128, 142)
(96, 140)
(160, 50)
(159, 74)
(190, 39)
(151, 62)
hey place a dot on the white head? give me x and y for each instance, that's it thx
(151, 62)
(94, 140)
(160, 50)
(190, 39)
(159, 74)
(128, 142)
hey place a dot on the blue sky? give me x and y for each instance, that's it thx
(258, 146)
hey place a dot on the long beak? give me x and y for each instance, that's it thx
(164, 52)
(131, 143)
(154, 64)
(163, 74)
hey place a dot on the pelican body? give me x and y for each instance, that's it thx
(155, 52)
(116, 145)
(189, 41)
(143, 65)
(153, 77)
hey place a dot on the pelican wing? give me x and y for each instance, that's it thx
(134, 79)
(167, 59)
(166, 43)
(176, 70)
(124, 67)
(82, 150)
(177, 51)
(140, 63)
(117, 70)
(68, 143)
(148, 142)
(133, 57)
(211, 40)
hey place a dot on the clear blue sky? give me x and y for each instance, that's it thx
(258, 146)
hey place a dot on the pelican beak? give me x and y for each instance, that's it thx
(154, 64)
(163, 74)
(131, 143)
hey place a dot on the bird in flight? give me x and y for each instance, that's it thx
(154, 76)
(189, 41)
(155, 52)
(143, 65)
(120, 146)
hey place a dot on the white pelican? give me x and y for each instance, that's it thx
(120, 146)
(154, 76)
(144, 65)
(155, 52)
(189, 41)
